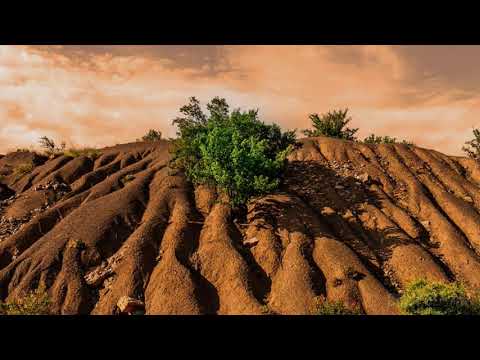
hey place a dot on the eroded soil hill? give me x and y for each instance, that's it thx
(353, 222)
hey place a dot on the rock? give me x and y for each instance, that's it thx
(97, 276)
(251, 242)
(426, 224)
(468, 199)
(128, 305)
(364, 177)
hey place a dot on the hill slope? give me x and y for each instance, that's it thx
(354, 222)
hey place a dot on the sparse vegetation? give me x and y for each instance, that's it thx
(22, 169)
(326, 307)
(51, 149)
(88, 152)
(472, 148)
(430, 298)
(49, 146)
(331, 124)
(373, 139)
(34, 303)
(152, 135)
(234, 151)
(127, 178)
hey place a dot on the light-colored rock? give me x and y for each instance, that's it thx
(130, 305)
(252, 241)
(363, 177)
(426, 224)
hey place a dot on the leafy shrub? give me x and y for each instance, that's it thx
(34, 303)
(335, 308)
(234, 151)
(152, 135)
(430, 298)
(373, 139)
(473, 146)
(50, 147)
(331, 124)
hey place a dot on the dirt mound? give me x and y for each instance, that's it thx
(352, 222)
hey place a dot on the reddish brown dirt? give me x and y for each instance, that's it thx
(352, 222)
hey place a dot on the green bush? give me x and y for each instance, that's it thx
(335, 308)
(473, 146)
(152, 135)
(430, 298)
(34, 303)
(234, 151)
(331, 124)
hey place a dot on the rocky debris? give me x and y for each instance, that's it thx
(60, 188)
(10, 226)
(8, 201)
(96, 277)
(130, 306)
(5, 192)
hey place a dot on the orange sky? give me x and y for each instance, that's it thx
(104, 95)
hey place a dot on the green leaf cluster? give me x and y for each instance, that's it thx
(232, 150)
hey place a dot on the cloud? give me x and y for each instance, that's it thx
(98, 96)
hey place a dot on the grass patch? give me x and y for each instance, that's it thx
(22, 169)
(326, 307)
(88, 152)
(374, 139)
(34, 303)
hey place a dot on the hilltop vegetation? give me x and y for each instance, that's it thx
(233, 151)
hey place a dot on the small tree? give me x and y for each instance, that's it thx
(50, 147)
(233, 151)
(331, 124)
(473, 146)
(152, 135)
(431, 298)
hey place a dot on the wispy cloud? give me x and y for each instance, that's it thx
(100, 96)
